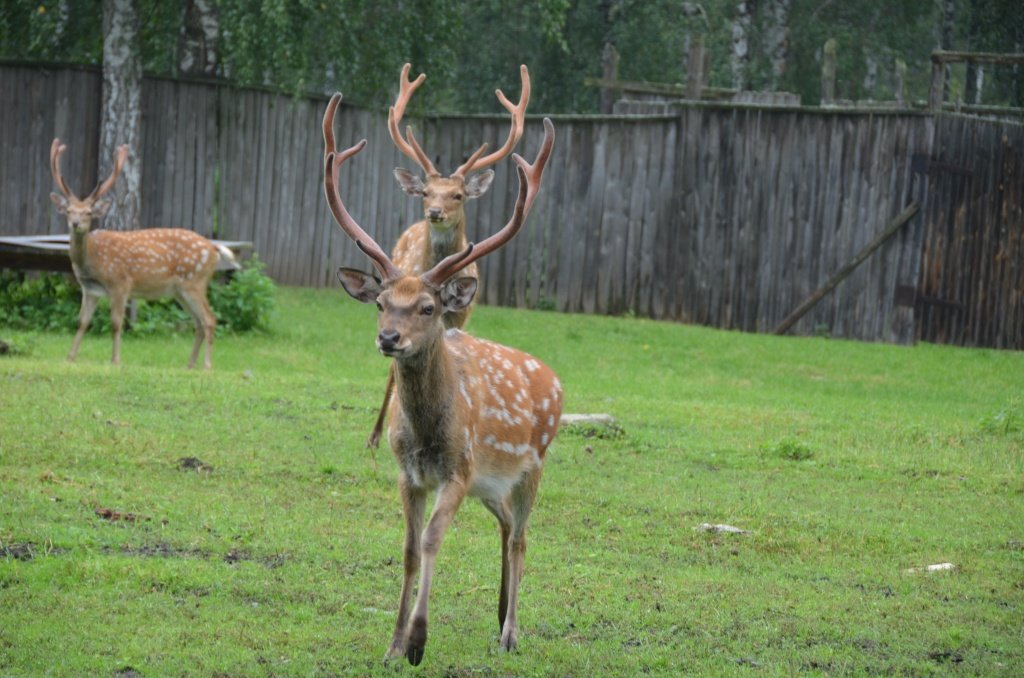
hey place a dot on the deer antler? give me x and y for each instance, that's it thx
(529, 185)
(518, 112)
(57, 149)
(333, 161)
(120, 155)
(410, 148)
(332, 107)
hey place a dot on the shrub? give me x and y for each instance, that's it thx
(51, 301)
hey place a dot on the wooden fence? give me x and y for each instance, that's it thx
(724, 215)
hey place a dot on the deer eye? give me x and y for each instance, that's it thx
(428, 309)
(457, 196)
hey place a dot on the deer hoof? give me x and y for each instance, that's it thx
(417, 641)
(509, 640)
(414, 655)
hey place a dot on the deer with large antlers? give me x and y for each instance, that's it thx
(469, 417)
(442, 232)
(150, 264)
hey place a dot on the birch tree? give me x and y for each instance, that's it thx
(776, 38)
(197, 45)
(739, 58)
(121, 111)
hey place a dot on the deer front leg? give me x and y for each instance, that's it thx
(89, 302)
(118, 301)
(449, 498)
(413, 502)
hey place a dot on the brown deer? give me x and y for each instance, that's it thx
(149, 264)
(469, 417)
(442, 232)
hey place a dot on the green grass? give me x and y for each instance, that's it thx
(848, 463)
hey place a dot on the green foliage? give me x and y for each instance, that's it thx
(51, 302)
(469, 48)
(45, 302)
(247, 302)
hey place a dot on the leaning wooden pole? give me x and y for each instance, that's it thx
(846, 270)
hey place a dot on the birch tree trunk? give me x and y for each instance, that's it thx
(122, 110)
(197, 44)
(776, 38)
(740, 55)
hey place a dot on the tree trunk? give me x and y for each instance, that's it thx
(776, 38)
(740, 54)
(948, 33)
(197, 44)
(122, 110)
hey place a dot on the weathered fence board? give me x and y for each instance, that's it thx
(716, 214)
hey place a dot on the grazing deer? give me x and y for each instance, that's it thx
(469, 417)
(149, 264)
(442, 232)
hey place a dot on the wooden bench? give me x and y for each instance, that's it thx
(50, 252)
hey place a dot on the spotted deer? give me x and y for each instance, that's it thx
(149, 264)
(442, 232)
(469, 417)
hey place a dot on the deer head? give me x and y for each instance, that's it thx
(411, 307)
(81, 211)
(444, 198)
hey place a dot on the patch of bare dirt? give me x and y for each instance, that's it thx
(115, 516)
(194, 464)
(28, 550)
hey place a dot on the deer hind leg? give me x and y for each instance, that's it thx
(413, 504)
(89, 302)
(373, 442)
(504, 515)
(449, 498)
(195, 302)
(522, 498)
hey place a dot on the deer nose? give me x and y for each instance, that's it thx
(434, 213)
(388, 339)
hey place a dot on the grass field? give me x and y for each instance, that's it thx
(277, 550)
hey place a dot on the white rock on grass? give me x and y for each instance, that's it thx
(719, 529)
(937, 567)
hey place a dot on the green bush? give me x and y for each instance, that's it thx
(50, 301)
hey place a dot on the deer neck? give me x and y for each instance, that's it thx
(445, 240)
(426, 386)
(79, 250)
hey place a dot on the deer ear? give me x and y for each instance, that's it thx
(100, 208)
(61, 202)
(458, 293)
(409, 182)
(478, 184)
(362, 287)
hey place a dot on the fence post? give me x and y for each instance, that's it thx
(938, 85)
(695, 68)
(828, 72)
(901, 77)
(610, 73)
